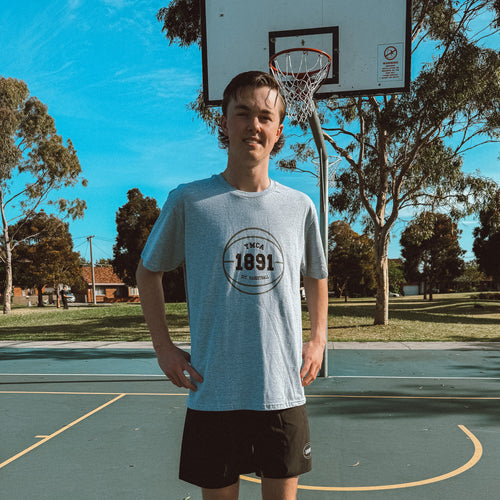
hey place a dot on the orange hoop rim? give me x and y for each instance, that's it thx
(300, 49)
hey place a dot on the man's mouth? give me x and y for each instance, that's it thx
(252, 141)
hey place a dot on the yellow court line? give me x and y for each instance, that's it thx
(61, 430)
(478, 452)
(331, 396)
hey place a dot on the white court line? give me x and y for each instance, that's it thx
(163, 376)
(414, 378)
(80, 375)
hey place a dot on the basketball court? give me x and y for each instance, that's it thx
(389, 422)
(392, 421)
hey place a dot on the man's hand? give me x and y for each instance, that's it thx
(312, 354)
(174, 362)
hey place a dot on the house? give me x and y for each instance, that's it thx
(24, 296)
(108, 286)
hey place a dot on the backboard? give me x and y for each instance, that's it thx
(369, 41)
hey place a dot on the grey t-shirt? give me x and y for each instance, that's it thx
(244, 253)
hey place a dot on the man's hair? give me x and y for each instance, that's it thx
(253, 80)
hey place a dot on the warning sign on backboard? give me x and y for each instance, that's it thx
(390, 62)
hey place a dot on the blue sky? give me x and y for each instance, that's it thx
(118, 90)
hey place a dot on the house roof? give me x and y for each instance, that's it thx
(102, 276)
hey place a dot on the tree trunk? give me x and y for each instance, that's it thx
(7, 292)
(382, 274)
(40, 296)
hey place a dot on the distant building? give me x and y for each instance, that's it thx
(108, 286)
(414, 288)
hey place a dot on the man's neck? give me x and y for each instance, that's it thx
(250, 180)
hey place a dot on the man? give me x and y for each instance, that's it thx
(244, 240)
(64, 297)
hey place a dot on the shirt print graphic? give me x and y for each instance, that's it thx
(253, 261)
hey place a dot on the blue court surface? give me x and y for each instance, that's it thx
(402, 421)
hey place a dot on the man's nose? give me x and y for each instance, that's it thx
(254, 123)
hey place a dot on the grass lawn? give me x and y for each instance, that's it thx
(453, 317)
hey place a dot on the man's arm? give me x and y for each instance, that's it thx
(312, 352)
(172, 360)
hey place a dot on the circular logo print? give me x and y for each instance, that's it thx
(307, 451)
(253, 261)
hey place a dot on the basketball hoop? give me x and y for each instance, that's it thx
(300, 72)
(333, 162)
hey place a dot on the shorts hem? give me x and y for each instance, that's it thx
(229, 482)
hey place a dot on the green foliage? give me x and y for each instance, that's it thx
(30, 147)
(351, 261)
(134, 222)
(43, 253)
(432, 251)
(471, 278)
(487, 238)
(396, 276)
(181, 22)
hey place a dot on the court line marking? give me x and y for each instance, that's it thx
(413, 378)
(331, 396)
(478, 452)
(77, 393)
(81, 375)
(60, 431)
(388, 396)
(140, 375)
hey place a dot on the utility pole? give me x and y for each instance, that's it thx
(89, 239)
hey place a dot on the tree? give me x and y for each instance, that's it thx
(34, 164)
(134, 222)
(396, 276)
(402, 151)
(45, 256)
(432, 251)
(486, 245)
(471, 278)
(350, 259)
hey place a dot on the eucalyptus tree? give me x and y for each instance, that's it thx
(34, 164)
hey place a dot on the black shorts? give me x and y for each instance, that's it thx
(219, 446)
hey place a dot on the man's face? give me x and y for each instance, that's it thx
(252, 124)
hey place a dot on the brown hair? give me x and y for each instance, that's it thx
(251, 79)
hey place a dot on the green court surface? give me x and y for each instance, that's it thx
(103, 423)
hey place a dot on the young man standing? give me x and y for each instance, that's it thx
(245, 241)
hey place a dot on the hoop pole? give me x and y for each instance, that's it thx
(317, 133)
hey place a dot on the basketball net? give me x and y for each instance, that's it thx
(300, 72)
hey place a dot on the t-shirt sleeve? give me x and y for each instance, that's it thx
(164, 249)
(313, 262)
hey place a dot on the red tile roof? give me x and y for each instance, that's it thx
(102, 275)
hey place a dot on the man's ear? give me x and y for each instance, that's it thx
(279, 132)
(223, 125)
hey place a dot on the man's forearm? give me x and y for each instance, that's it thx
(317, 304)
(153, 305)
(173, 361)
